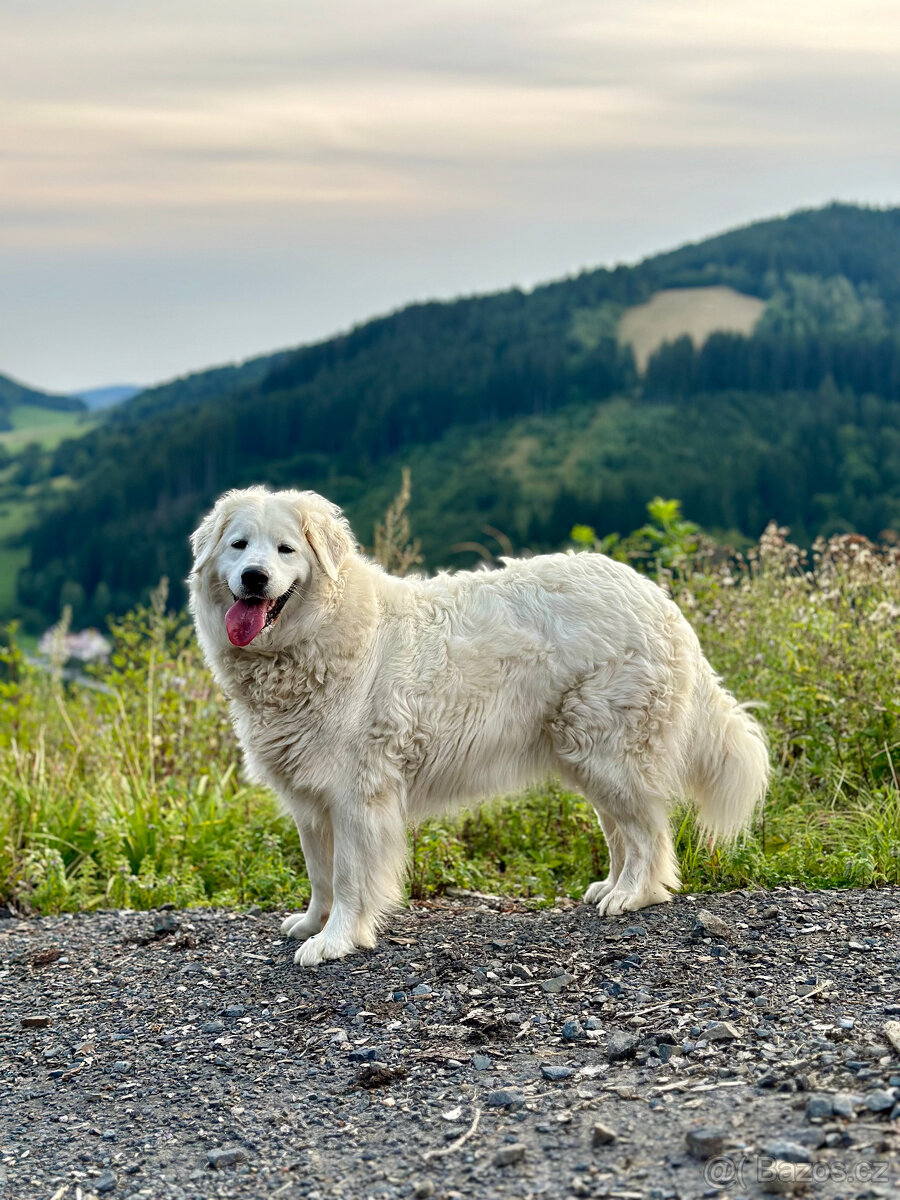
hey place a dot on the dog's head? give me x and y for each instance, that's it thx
(258, 552)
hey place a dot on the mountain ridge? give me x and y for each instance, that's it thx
(433, 380)
(14, 394)
(108, 395)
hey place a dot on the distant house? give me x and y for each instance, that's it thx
(88, 645)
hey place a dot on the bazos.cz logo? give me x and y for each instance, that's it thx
(727, 1170)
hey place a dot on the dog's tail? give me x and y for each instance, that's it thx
(729, 770)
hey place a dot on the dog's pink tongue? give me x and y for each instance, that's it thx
(243, 621)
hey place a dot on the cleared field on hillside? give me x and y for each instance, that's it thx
(697, 312)
(46, 426)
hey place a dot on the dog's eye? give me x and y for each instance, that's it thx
(240, 544)
(285, 549)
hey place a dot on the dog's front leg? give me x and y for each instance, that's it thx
(369, 862)
(318, 852)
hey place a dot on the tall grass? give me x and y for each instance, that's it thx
(127, 790)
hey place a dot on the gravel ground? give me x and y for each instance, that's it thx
(722, 1046)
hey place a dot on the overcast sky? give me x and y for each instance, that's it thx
(188, 182)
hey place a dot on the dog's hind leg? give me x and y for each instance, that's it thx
(635, 823)
(318, 851)
(649, 869)
(615, 734)
(370, 851)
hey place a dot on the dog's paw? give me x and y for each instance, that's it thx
(598, 890)
(301, 926)
(322, 948)
(616, 901)
(366, 937)
(619, 900)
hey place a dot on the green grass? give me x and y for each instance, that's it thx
(16, 514)
(46, 426)
(33, 416)
(133, 796)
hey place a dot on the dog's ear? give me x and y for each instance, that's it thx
(207, 536)
(329, 535)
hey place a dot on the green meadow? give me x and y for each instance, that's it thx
(45, 426)
(127, 790)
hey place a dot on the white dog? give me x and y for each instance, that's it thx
(367, 702)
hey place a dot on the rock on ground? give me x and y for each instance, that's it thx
(188, 1057)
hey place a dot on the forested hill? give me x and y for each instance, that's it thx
(15, 395)
(525, 412)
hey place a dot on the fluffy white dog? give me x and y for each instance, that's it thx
(368, 702)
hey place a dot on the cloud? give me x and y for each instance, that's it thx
(199, 126)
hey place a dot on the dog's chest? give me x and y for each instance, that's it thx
(294, 723)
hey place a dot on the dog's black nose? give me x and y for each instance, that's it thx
(254, 581)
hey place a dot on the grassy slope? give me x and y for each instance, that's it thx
(697, 312)
(46, 426)
(133, 795)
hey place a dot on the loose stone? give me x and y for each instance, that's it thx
(845, 1104)
(554, 1073)
(602, 1135)
(818, 1108)
(507, 1155)
(621, 1045)
(787, 1152)
(505, 1098)
(707, 924)
(227, 1156)
(706, 1142)
(879, 1100)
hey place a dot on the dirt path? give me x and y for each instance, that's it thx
(476, 1052)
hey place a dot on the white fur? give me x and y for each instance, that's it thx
(374, 701)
